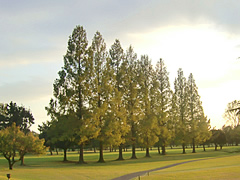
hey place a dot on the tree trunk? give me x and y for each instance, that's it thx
(133, 152)
(57, 151)
(22, 160)
(163, 150)
(183, 147)
(10, 164)
(193, 146)
(81, 158)
(147, 152)
(101, 160)
(159, 150)
(65, 155)
(120, 157)
(204, 147)
(51, 152)
(215, 147)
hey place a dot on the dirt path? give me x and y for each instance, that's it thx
(140, 173)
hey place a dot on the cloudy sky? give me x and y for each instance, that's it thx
(201, 37)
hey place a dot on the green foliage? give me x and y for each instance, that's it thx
(12, 113)
(196, 113)
(70, 113)
(218, 138)
(118, 100)
(182, 121)
(131, 98)
(148, 121)
(14, 143)
(162, 97)
(30, 144)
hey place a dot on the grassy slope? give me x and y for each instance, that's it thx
(52, 167)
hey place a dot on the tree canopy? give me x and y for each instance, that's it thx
(12, 113)
(114, 99)
(15, 143)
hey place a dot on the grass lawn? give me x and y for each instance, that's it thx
(222, 164)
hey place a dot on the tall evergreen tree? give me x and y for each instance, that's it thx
(71, 89)
(148, 122)
(118, 67)
(173, 119)
(163, 98)
(180, 86)
(102, 91)
(131, 98)
(195, 110)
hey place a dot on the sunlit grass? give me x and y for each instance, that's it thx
(218, 168)
(52, 167)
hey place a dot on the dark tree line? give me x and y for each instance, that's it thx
(12, 113)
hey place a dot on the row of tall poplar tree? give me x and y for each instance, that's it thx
(117, 99)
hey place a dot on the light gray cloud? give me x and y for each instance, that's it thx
(34, 35)
(223, 13)
(26, 90)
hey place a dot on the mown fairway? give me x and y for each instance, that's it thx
(222, 164)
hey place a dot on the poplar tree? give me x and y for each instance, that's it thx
(131, 98)
(118, 67)
(164, 98)
(148, 122)
(181, 95)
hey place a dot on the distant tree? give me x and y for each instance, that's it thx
(229, 132)
(232, 113)
(131, 98)
(61, 131)
(12, 113)
(119, 72)
(173, 117)
(148, 121)
(3, 115)
(101, 89)
(195, 109)
(163, 98)
(204, 133)
(236, 135)
(181, 101)
(218, 138)
(44, 134)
